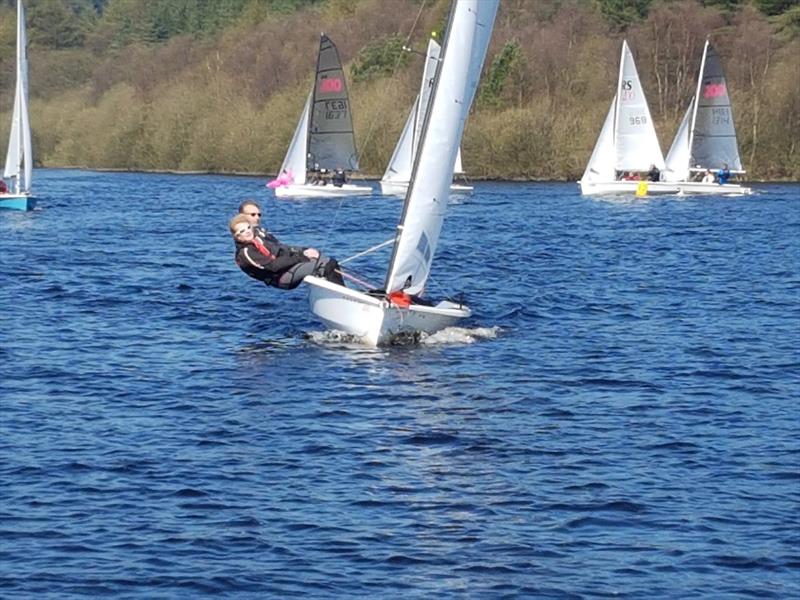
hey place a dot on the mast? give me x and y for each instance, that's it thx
(617, 94)
(696, 103)
(310, 124)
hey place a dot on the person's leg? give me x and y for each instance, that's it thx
(294, 275)
(328, 268)
(322, 267)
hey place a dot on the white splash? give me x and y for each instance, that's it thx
(449, 335)
(460, 335)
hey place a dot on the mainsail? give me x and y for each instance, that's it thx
(331, 142)
(635, 138)
(713, 136)
(19, 160)
(470, 26)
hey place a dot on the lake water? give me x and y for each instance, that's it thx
(619, 417)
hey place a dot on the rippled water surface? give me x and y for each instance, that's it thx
(619, 418)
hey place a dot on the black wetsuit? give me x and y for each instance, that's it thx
(282, 266)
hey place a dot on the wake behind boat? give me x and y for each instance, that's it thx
(323, 147)
(398, 171)
(396, 310)
(19, 160)
(627, 142)
(706, 139)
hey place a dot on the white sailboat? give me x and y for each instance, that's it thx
(627, 143)
(378, 317)
(398, 171)
(19, 160)
(323, 142)
(706, 138)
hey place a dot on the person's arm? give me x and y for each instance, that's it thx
(275, 263)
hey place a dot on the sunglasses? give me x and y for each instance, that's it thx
(255, 214)
(241, 231)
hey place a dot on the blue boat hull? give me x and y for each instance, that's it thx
(16, 202)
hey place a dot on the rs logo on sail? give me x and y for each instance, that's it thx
(627, 92)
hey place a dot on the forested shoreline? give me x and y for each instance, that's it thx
(218, 85)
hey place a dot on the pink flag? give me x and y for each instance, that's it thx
(284, 178)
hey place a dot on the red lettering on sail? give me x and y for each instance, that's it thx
(331, 85)
(714, 90)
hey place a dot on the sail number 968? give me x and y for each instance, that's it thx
(640, 120)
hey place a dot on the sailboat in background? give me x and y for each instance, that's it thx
(398, 172)
(19, 160)
(323, 142)
(379, 315)
(706, 138)
(628, 142)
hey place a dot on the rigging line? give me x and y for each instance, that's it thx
(367, 251)
(332, 224)
(405, 48)
(366, 285)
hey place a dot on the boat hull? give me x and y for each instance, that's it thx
(689, 188)
(374, 320)
(322, 191)
(17, 201)
(608, 188)
(399, 188)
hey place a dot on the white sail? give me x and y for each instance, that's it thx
(601, 163)
(470, 26)
(295, 160)
(458, 169)
(402, 161)
(677, 163)
(399, 167)
(635, 139)
(19, 160)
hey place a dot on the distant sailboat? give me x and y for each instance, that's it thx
(398, 172)
(323, 142)
(19, 160)
(706, 138)
(378, 316)
(627, 142)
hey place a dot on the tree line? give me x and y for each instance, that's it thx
(218, 85)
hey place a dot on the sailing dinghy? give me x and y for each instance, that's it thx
(19, 160)
(706, 138)
(627, 142)
(398, 172)
(379, 316)
(323, 142)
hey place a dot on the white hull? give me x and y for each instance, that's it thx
(399, 188)
(602, 188)
(321, 191)
(375, 320)
(689, 188)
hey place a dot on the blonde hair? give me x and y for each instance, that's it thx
(234, 223)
